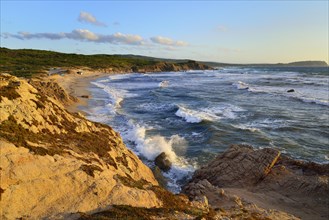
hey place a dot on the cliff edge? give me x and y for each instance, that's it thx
(54, 163)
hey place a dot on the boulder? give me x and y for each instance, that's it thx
(163, 162)
(291, 90)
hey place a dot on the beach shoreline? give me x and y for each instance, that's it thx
(77, 86)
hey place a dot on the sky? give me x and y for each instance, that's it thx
(220, 31)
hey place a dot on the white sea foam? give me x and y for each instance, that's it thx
(225, 110)
(164, 83)
(156, 107)
(151, 146)
(306, 95)
(194, 116)
(313, 100)
(268, 123)
(209, 114)
(241, 85)
(116, 96)
(246, 127)
(121, 76)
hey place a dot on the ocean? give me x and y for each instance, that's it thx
(194, 115)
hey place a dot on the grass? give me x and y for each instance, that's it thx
(31, 63)
(28, 63)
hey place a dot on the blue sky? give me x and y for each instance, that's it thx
(222, 31)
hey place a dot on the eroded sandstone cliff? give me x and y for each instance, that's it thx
(54, 163)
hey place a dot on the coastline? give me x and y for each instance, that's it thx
(77, 86)
(296, 179)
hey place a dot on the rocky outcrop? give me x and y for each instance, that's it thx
(169, 67)
(163, 162)
(242, 176)
(54, 163)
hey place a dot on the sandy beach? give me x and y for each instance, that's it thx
(76, 85)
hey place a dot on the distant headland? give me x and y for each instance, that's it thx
(28, 62)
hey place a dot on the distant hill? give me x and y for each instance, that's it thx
(306, 63)
(292, 64)
(28, 62)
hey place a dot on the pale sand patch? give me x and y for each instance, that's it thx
(77, 86)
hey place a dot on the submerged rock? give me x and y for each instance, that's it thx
(163, 162)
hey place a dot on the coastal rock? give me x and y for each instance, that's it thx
(239, 166)
(162, 180)
(54, 163)
(242, 176)
(163, 162)
(167, 67)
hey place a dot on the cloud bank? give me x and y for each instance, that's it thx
(89, 18)
(81, 35)
(88, 36)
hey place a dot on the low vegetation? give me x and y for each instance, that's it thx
(26, 62)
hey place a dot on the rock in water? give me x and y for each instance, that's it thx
(163, 162)
(291, 90)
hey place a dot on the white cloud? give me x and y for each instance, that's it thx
(89, 18)
(167, 41)
(81, 35)
(89, 36)
(127, 38)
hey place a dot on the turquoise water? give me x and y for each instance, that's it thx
(192, 116)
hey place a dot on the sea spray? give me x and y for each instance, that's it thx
(195, 116)
(150, 147)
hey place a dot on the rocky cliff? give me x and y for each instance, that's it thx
(245, 178)
(59, 165)
(168, 67)
(55, 164)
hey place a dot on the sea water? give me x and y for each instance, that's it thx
(194, 115)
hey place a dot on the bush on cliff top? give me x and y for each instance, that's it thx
(27, 62)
